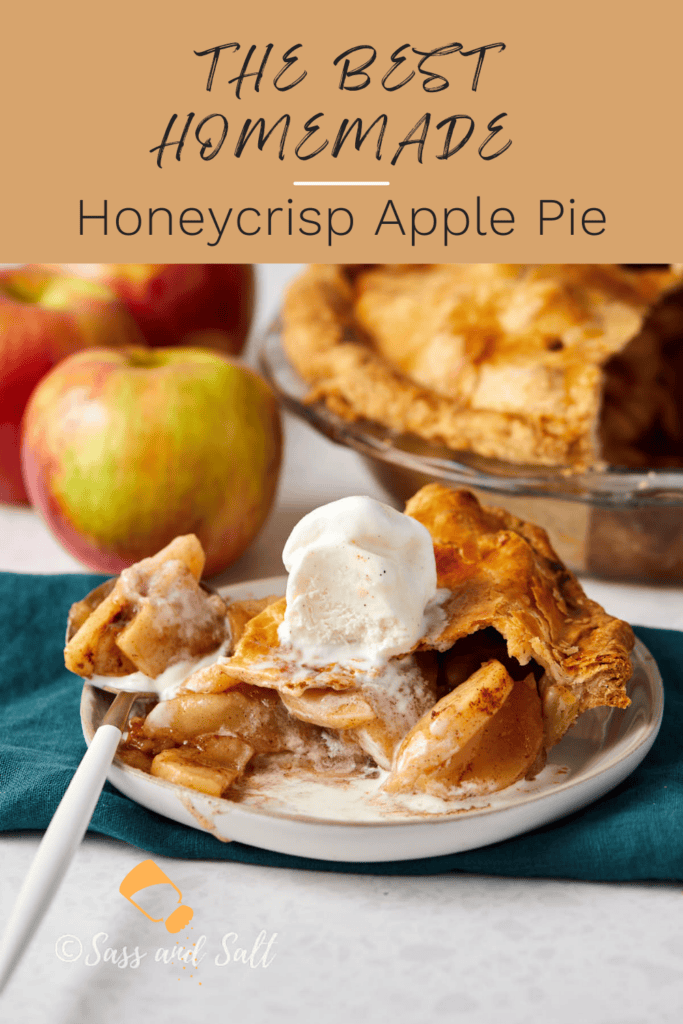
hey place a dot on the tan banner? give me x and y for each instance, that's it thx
(414, 133)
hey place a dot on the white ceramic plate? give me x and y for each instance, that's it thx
(353, 823)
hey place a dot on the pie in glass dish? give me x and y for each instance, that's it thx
(573, 365)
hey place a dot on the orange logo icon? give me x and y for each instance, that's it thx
(145, 875)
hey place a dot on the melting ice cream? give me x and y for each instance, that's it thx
(361, 577)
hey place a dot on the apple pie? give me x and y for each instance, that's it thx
(512, 654)
(557, 365)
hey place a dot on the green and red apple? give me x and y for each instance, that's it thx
(45, 316)
(124, 450)
(207, 304)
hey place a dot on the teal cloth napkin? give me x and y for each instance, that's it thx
(634, 832)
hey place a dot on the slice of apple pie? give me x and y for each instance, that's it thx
(519, 653)
(480, 658)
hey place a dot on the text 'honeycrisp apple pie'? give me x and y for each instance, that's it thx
(442, 652)
(562, 364)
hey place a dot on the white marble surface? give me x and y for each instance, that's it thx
(449, 947)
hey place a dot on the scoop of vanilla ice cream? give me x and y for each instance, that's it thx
(360, 577)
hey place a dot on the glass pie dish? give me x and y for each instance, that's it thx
(613, 523)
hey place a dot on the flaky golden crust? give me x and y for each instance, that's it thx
(504, 360)
(504, 573)
(241, 612)
(259, 659)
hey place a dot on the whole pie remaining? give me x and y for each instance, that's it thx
(515, 654)
(563, 364)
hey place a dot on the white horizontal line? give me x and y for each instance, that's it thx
(340, 183)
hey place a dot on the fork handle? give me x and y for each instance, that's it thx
(62, 837)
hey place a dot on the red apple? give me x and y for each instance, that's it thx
(124, 450)
(182, 303)
(45, 316)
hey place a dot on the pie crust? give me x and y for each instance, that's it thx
(561, 364)
(504, 573)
